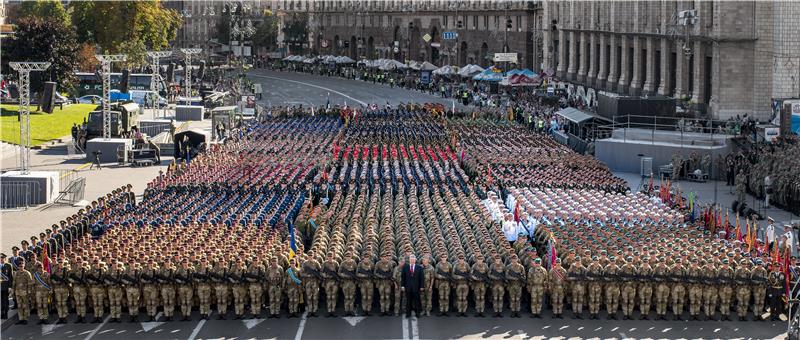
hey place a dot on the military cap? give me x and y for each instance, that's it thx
(14, 248)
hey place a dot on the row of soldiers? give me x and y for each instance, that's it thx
(615, 283)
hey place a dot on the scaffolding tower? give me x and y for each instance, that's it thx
(24, 69)
(155, 57)
(105, 61)
(188, 53)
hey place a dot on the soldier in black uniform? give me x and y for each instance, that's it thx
(6, 281)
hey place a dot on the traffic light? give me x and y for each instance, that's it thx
(509, 24)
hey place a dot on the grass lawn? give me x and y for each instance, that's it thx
(44, 127)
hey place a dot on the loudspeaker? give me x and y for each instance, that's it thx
(123, 82)
(171, 72)
(202, 72)
(48, 98)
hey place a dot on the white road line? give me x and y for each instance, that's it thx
(301, 327)
(414, 328)
(197, 329)
(312, 85)
(98, 328)
(405, 328)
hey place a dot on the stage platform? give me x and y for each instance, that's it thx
(623, 151)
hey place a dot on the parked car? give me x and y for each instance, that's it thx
(88, 99)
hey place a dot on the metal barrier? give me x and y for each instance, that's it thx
(65, 177)
(155, 129)
(18, 195)
(71, 195)
(74, 151)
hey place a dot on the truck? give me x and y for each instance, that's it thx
(127, 111)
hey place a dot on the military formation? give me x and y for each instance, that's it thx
(319, 214)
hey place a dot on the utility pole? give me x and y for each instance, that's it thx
(24, 69)
(105, 61)
(154, 57)
(187, 54)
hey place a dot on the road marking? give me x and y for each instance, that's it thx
(414, 328)
(84, 166)
(197, 329)
(309, 84)
(354, 320)
(149, 325)
(98, 327)
(302, 326)
(405, 328)
(50, 328)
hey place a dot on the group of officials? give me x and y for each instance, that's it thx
(293, 209)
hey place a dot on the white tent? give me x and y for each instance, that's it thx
(344, 60)
(391, 64)
(445, 70)
(470, 70)
(426, 66)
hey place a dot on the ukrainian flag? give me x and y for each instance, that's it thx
(292, 244)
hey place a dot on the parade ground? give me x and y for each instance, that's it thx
(285, 88)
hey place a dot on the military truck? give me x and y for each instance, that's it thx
(124, 117)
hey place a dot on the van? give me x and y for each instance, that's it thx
(137, 96)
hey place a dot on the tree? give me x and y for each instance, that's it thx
(266, 33)
(44, 40)
(296, 33)
(87, 62)
(130, 27)
(45, 10)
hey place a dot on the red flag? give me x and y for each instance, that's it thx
(516, 212)
(738, 229)
(45, 258)
(786, 271)
(727, 226)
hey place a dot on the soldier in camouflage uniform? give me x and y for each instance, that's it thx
(165, 280)
(710, 292)
(660, 273)
(515, 275)
(221, 291)
(460, 276)
(347, 277)
(310, 275)
(238, 287)
(330, 280)
(497, 278)
(383, 272)
(254, 277)
(725, 276)
(742, 280)
(97, 289)
(183, 277)
(275, 281)
(443, 270)
(628, 289)
(644, 287)
(758, 286)
(695, 275)
(58, 277)
(115, 291)
(678, 294)
(557, 283)
(399, 293)
(611, 276)
(293, 291)
(201, 278)
(427, 290)
(478, 277)
(133, 289)
(577, 278)
(595, 288)
(365, 284)
(41, 288)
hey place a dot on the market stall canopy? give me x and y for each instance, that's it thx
(445, 70)
(520, 80)
(490, 74)
(391, 64)
(344, 60)
(426, 66)
(470, 70)
(526, 72)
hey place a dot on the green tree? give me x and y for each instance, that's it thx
(266, 33)
(44, 40)
(296, 33)
(45, 10)
(130, 27)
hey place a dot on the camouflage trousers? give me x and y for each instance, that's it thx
(759, 294)
(645, 291)
(61, 295)
(311, 287)
(367, 289)
(115, 295)
(695, 299)
(578, 292)
(98, 298)
(185, 294)
(222, 297)
(595, 297)
(42, 297)
(662, 298)
(444, 296)
(478, 291)
(132, 295)
(612, 298)
(151, 299)
(556, 297)
(331, 293)
(168, 299)
(275, 298)
(725, 294)
(742, 299)
(678, 298)
(23, 305)
(515, 296)
(628, 297)
(498, 292)
(204, 297)
(256, 291)
(349, 292)
(384, 294)
(293, 297)
(710, 296)
(462, 292)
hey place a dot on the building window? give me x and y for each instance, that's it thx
(496, 22)
(474, 22)
(519, 23)
(485, 20)
(444, 20)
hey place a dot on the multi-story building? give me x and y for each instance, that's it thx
(735, 57)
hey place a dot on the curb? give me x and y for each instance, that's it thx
(12, 320)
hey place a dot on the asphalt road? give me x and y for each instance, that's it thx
(281, 88)
(394, 327)
(293, 88)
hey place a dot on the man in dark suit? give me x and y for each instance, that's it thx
(412, 280)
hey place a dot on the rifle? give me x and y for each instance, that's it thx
(111, 279)
(498, 276)
(75, 278)
(251, 278)
(127, 279)
(217, 278)
(331, 273)
(366, 274)
(445, 275)
(478, 276)
(181, 279)
(163, 279)
(463, 276)
(383, 274)
(94, 279)
(233, 277)
(55, 278)
(515, 275)
(346, 274)
(312, 272)
(147, 278)
(200, 277)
